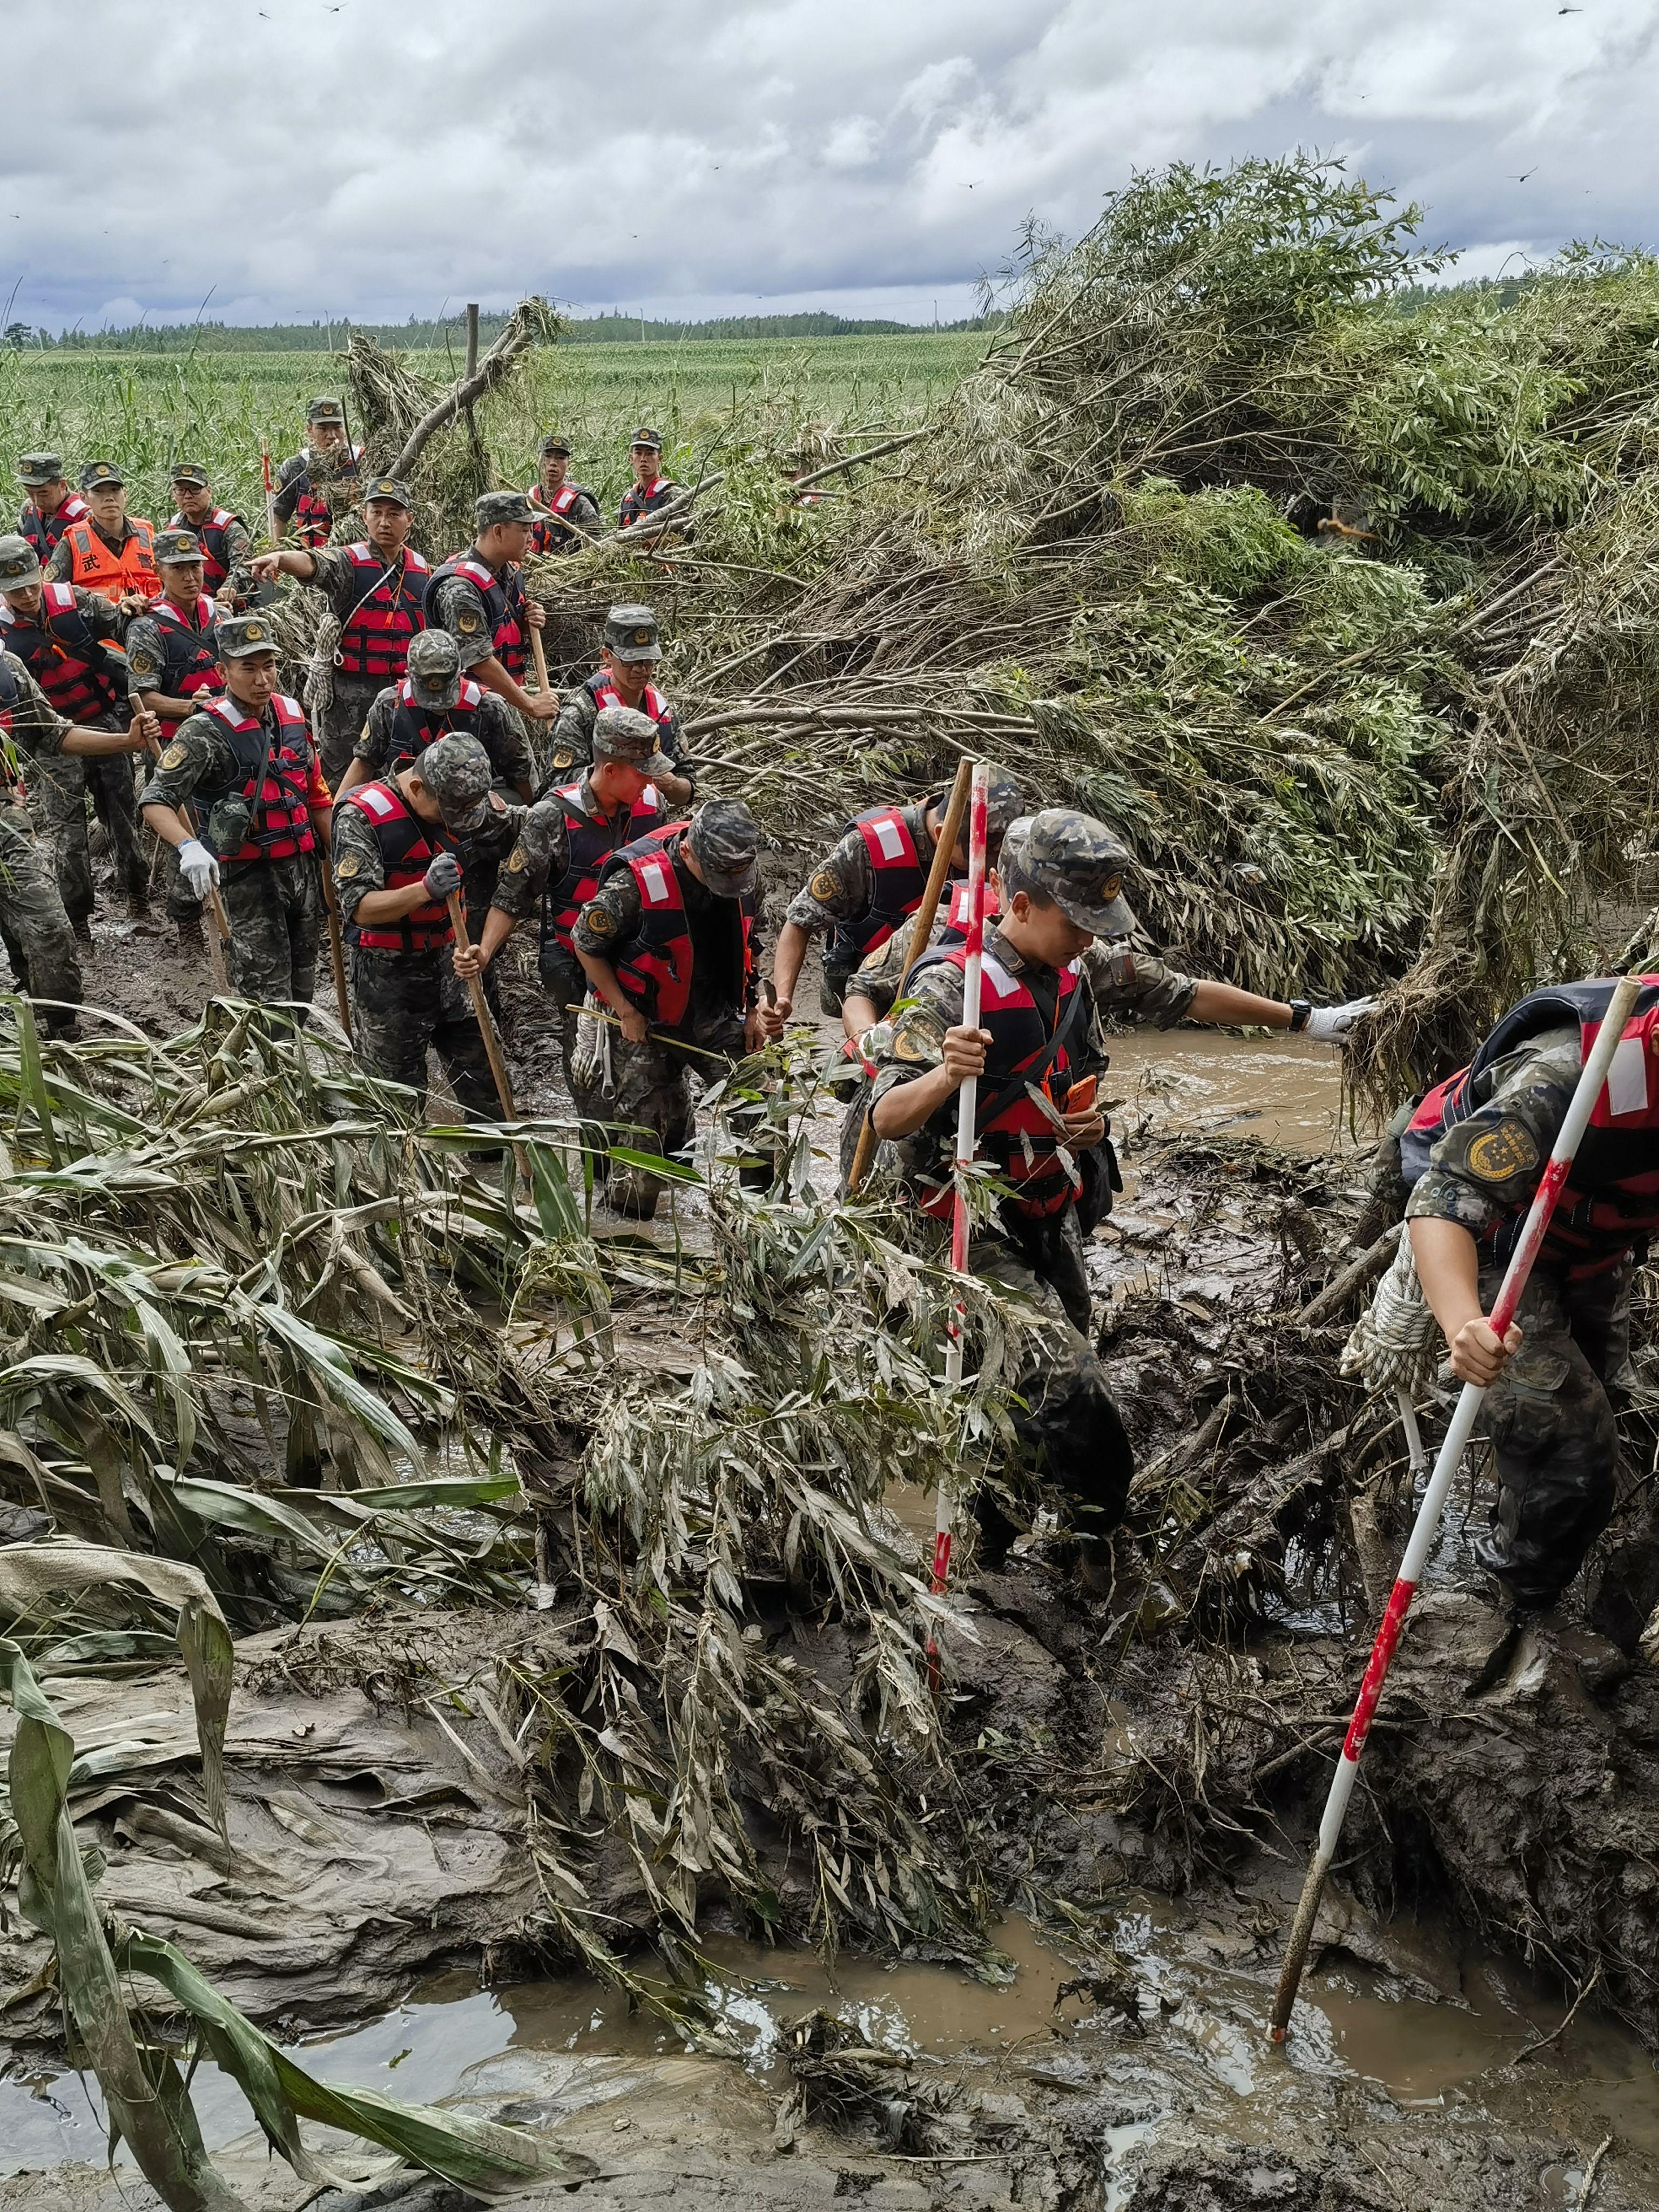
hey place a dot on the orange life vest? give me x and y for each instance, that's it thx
(113, 575)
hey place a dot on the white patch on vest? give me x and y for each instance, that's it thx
(656, 881)
(649, 797)
(992, 971)
(889, 838)
(1627, 1077)
(376, 801)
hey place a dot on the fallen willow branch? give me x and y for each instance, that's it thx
(531, 320)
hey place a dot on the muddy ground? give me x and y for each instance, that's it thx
(1162, 1752)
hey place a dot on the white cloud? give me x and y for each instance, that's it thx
(381, 159)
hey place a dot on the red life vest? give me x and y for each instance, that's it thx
(313, 518)
(1610, 1201)
(280, 824)
(900, 876)
(547, 533)
(113, 576)
(654, 965)
(43, 531)
(956, 916)
(374, 637)
(602, 689)
(61, 651)
(190, 650)
(414, 727)
(637, 502)
(504, 598)
(592, 840)
(215, 554)
(1021, 1138)
(408, 848)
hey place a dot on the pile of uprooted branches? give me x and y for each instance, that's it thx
(1340, 608)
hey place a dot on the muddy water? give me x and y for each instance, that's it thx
(1433, 2025)
(1284, 1090)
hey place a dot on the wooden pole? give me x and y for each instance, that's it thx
(486, 1020)
(335, 943)
(921, 930)
(1590, 1080)
(471, 339)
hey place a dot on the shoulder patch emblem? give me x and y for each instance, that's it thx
(175, 756)
(908, 1043)
(466, 622)
(826, 884)
(517, 865)
(598, 921)
(564, 760)
(1508, 1150)
(346, 866)
(141, 662)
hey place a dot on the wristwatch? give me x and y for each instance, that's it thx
(1300, 1010)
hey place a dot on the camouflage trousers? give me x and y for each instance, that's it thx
(1552, 1432)
(337, 726)
(405, 1004)
(59, 786)
(566, 985)
(649, 1105)
(33, 926)
(275, 909)
(1070, 1431)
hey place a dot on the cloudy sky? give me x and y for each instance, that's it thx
(381, 158)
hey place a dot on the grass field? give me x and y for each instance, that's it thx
(146, 410)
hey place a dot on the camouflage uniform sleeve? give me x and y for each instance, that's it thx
(585, 514)
(839, 888)
(335, 578)
(60, 568)
(99, 618)
(572, 742)
(610, 918)
(1487, 1164)
(673, 743)
(198, 754)
(878, 980)
(287, 487)
(147, 657)
(355, 858)
(239, 545)
(374, 745)
(1135, 986)
(36, 723)
(457, 607)
(914, 1039)
(542, 850)
(501, 734)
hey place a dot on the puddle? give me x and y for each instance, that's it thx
(1284, 1090)
(1204, 1983)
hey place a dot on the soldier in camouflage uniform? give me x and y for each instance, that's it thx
(1060, 876)
(565, 514)
(1472, 1154)
(401, 846)
(38, 941)
(866, 886)
(376, 592)
(248, 770)
(479, 598)
(69, 642)
(227, 548)
(49, 506)
(632, 649)
(318, 484)
(667, 944)
(437, 700)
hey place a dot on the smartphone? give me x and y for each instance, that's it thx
(1081, 1096)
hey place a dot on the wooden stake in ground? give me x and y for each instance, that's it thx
(1594, 1075)
(967, 1145)
(921, 928)
(336, 944)
(486, 1020)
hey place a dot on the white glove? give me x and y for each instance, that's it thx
(197, 866)
(1328, 1023)
(443, 876)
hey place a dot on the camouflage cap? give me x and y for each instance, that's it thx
(392, 488)
(243, 636)
(652, 438)
(435, 668)
(1074, 861)
(97, 473)
(503, 507)
(622, 733)
(37, 469)
(1004, 803)
(631, 633)
(325, 410)
(725, 840)
(19, 567)
(177, 545)
(190, 472)
(554, 442)
(456, 770)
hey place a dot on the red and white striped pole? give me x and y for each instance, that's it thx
(1594, 1075)
(967, 1144)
